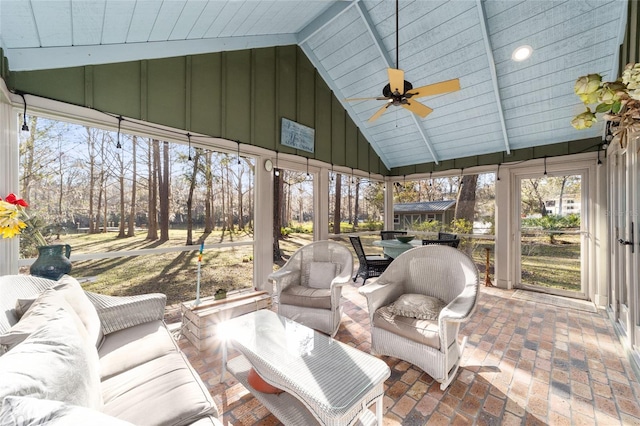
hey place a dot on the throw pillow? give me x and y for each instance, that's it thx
(55, 362)
(26, 411)
(72, 291)
(38, 314)
(321, 274)
(258, 383)
(417, 306)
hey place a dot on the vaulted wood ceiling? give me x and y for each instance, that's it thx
(503, 105)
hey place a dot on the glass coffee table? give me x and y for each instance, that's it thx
(326, 382)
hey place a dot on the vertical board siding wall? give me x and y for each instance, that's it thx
(239, 95)
(630, 49)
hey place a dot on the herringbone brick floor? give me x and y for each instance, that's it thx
(525, 363)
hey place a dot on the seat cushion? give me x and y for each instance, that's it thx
(147, 341)
(164, 391)
(27, 411)
(307, 297)
(418, 330)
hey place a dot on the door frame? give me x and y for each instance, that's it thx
(585, 225)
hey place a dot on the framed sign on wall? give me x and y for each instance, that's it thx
(297, 136)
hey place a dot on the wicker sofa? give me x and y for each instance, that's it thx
(81, 358)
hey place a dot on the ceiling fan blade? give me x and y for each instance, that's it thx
(417, 108)
(378, 113)
(436, 88)
(378, 98)
(396, 80)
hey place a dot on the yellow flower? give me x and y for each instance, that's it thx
(10, 222)
(584, 120)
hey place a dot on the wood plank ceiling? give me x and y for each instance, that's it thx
(503, 105)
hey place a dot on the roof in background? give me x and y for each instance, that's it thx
(424, 206)
(502, 105)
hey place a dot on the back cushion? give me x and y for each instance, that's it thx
(321, 274)
(55, 362)
(73, 293)
(13, 287)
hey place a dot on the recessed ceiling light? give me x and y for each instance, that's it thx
(521, 53)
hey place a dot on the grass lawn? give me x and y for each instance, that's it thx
(231, 268)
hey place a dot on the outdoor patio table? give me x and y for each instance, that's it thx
(325, 381)
(394, 248)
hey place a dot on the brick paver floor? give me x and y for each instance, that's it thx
(525, 363)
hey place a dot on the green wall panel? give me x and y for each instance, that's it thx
(65, 85)
(265, 122)
(338, 129)
(347, 154)
(373, 160)
(305, 91)
(116, 88)
(237, 95)
(323, 114)
(286, 89)
(206, 93)
(166, 91)
(363, 154)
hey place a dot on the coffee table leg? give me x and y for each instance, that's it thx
(379, 409)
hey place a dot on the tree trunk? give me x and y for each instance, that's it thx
(356, 203)
(337, 207)
(208, 204)
(192, 187)
(29, 160)
(240, 218)
(132, 211)
(121, 182)
(92, 179)
(154, 163)
(163, 180)
(466, 202)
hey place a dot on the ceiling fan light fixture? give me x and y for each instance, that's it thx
(522, 53)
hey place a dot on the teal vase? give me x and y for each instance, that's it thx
(52, 262)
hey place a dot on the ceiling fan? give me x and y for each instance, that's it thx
(399, 92)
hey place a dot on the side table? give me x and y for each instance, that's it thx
(199, 323)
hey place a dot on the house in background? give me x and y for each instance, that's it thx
(408, 215)
(563, 207)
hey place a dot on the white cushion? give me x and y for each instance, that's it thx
(72, 291)
(417, 306)
(321, 274)
(164, 391)
(146, 341)
(38, 314)
(26, 411)
(55, 362)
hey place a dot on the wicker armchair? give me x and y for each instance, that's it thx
(370, 265)
(437, 271)
(309, 285)
(391, 235)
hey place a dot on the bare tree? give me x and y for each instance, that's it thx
(154, 164)
(466, 200)
(356, 203)
(208, 203)
(336, 209)
(120, 162)
(192, 187)
(163, 181)
(132, 211)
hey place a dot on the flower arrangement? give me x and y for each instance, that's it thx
(14, 219)
(618, 100)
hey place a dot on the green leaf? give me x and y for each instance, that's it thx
(617, 106)
(603, 108)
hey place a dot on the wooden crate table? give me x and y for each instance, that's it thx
(199, 323)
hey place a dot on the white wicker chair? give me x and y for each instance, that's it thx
(303, 299)
(437, 271)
